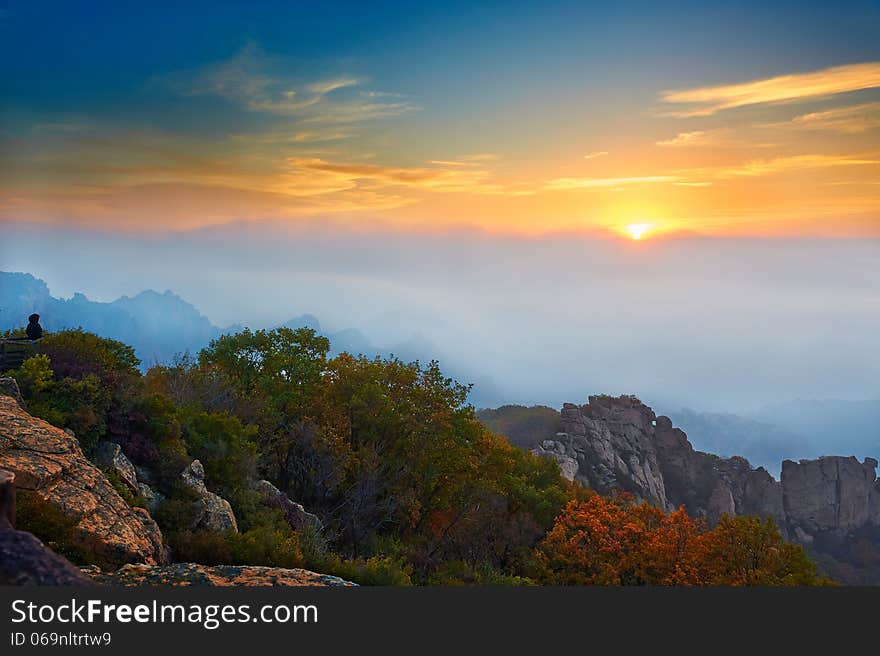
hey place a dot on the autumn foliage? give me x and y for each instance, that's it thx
(614, 541)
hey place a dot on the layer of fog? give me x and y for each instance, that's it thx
(716, 324)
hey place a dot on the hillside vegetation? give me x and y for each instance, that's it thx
(409, 485)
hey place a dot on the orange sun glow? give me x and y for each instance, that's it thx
(637, 230)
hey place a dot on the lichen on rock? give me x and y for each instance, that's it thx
(192, 574)
(50, 463)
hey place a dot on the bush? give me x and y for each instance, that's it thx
(225, 448)
(176, 513)
(132, 499)
(366, 571)
(259, 546)
(204, 548)
(55, 529)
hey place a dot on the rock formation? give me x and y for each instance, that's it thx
(711, 486)
(110, 458)
(49, 462)
(24, 560)
(833, 494)
(619, 443)
(297, 517)
(611, 442)
(190, 574)
(213, 513)
(556, 450)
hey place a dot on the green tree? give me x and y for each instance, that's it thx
(746, 550)
(225, 447)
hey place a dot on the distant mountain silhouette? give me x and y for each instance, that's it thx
(837, 426)
(161, 326)
(157, 325)
(764, 443)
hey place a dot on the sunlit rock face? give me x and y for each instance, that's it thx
(49, 462)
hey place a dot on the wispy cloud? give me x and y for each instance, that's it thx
(478, 159)
(600, 153)
(705, 101)
(436, 178)
(793, 163)
(599, 183)
(852, 119)
(704, 177)
(717, 138)
(695, 138)
(248, 79)
(294, 135)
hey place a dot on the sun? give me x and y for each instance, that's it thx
(637, 230)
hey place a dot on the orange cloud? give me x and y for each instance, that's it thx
(792, 163)
(706, 101)
(852, 119)
(591, 183)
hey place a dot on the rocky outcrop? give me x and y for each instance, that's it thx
(212, 512)
(24, 560)
(110, 458)
(49, 462)
(610, 439)
(710, 486)
(190, 574)
(619, 443)
(296, 516)
(831, 494)
(556, 450)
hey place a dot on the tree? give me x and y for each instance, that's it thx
(750, 551)
(282, 365)
(602, 541)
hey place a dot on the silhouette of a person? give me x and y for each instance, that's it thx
(34, 330)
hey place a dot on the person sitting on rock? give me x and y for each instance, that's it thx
(34, 330)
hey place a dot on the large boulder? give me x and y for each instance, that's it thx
(24, 560)
(212, 512)
(49, 462)
(191, 574)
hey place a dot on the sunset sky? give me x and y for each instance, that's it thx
(679, 200)
(723, 119)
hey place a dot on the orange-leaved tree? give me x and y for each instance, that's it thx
(615, 541)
